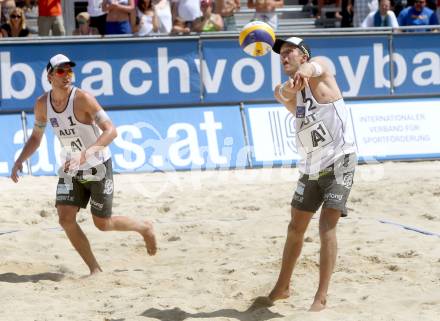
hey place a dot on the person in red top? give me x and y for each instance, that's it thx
(50, 18)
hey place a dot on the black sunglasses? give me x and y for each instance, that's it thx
(14, 16)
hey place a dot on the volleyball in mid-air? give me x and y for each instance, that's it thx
(257, 38)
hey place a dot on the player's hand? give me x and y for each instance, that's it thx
(299, 80)
(292, 86)
(74, 162)
(18, 167)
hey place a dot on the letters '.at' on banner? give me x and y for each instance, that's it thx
(148, 140)
(210, 138)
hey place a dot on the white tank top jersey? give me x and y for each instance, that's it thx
(75, 136)
(323, 132)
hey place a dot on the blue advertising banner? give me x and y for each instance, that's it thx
(119, 74)
(11, 133)
(178, 138)
(244, 78)
(148, 140)
(417, 64)
(175, 72)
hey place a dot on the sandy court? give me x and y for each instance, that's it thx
(221, 235)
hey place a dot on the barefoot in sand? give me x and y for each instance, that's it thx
(318, 305)
(95, 271)
(279, 294)
(150, 239)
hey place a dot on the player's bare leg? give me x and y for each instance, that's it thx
(125, 223)
(67, 219)
(292, 250)
(327, 232)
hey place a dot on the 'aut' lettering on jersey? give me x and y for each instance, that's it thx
(67, 132)
(307, 120)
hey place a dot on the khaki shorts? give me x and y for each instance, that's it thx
(54, 24)
(77, 191)
(330, 188)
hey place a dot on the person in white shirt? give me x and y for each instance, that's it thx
(97, 15)
(147, 21)
(187, 10)
(384, 17)
(163, 11)
(361, 9)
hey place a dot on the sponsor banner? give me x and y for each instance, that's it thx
(11, 134)
(384, 130)
(178, 138)
(417, 64)
(397, 129)
(175, 72)
(271, 135)
(119, 73)
(148, 140)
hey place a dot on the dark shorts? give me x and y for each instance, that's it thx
(99, 22)
(330, 188)
(117, 28)
(78, 190)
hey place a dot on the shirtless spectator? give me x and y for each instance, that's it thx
(119, 15)
(265, 10)
(227, 9)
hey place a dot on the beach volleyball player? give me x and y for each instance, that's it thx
(325, 142)
(85, 131)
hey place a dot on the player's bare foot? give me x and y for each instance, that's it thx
(279, 294)
(95, 271)
(318, 305)
(150, 239)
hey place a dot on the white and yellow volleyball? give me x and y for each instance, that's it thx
(257, 38)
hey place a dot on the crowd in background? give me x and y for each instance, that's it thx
(375, 13)
(149, 17)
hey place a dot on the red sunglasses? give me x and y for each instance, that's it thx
(62, 72)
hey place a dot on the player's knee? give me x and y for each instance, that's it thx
(102, 224)
(296, 228)
(66, 221)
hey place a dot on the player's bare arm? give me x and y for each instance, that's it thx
(89, 111)
(315, 68)
(34, 141)
(285, 94)
(95, 113)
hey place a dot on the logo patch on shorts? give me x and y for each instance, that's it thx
(64, 189)
(96, 205)
(300, 188)
(347, 179)
(108, 187)
(333, 196)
